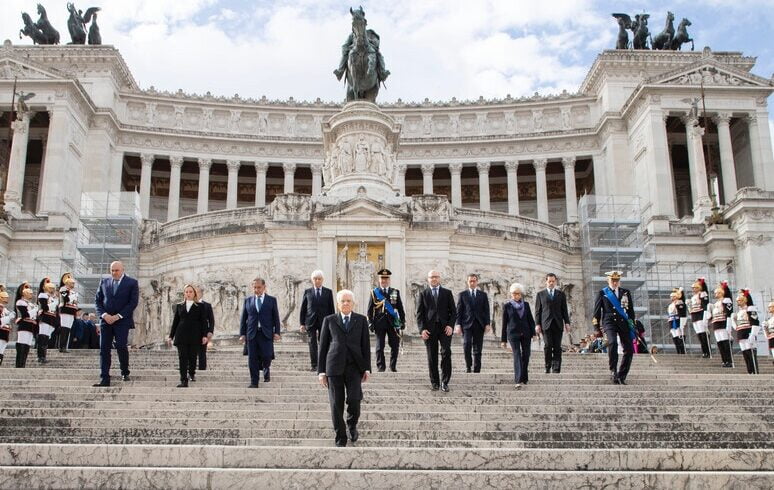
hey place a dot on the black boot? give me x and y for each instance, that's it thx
(724, 347)
(19, 355)
(748, 361)
(754, 361)
(1, 359)
(705, 349)
(64, 337)
(42, 345)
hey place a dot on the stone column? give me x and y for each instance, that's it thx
(600, 179)
(698, 169)
(755, 151)
(145, 183)
(203, 198)
(662, 196)
(290, 169)
(727, 166)
(401, 170)
(173, 204)
(427, 178)
(56, 161)
(512, 170)
(456, 184)
(483, 185)
(316, 179)
(232, 189)
(16, 165)
(570, 194)
(260, 183)
(541, 188)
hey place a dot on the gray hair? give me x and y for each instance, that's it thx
(260, 280)
(344, 292)
(516, 287)
(318, 273)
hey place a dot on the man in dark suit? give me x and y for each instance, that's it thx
(436, 314)
(552, 319)
(386, 318)
(116, 300)
(344, 363)
(259, 327)
(473, 320)
(315, 306)
(210, 318)
(614, 317)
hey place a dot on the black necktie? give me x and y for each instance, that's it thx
(318, 293)
(384, 291)
(346, 324)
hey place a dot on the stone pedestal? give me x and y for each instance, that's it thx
(361, 144)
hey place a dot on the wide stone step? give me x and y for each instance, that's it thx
(358, 457)
(196, 478)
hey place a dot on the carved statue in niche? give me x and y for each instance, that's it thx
(454, 125)
(362, 155)
(289, 295)
(346, 161)
(389, 161)
(179, 117)
(263, 124)
(378, 159)
(537, 120)
(342, 268)
(290, 126)
(510, 122)
(206, 119)
(362, 271)
(566, 120)
(236, 118)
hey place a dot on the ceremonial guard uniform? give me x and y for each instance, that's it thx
(386, 318)
(48, 318)
(677, 319)
(744, 320)
(26, 323)
(722, 310)
(69, 301)
(6, 317)
(614, 313)
(698, 310)
(769, 330)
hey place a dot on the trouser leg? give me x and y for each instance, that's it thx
(313, 334)
(467, 347)
(478, 347)
(380, 332)
(431, 345)
(394, 341)
(446, 358)
(336, 399)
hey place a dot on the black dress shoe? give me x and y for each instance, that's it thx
(622, 381)
(192, 377)
(436, 386)
(445, 387)
(616, 380)
(314, 368)
(468, 370)
(705, 356)
(381, 369)
(125, 377)
(101, 384)
(341, 443)
(266, 379)
(183, 384)
(253, 386)
(556, 371)
(394, 370)
(548, 370)
(353, 434)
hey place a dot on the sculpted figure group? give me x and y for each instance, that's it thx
(42, 32)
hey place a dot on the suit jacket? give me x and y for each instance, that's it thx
(551, 313)
(337, 347)
(314, 311)
(267, 321)
(515, 326)
(122, 303)
(382, 318)
(188, 327)
(430, 314)
(472, 312)
(605, 314)
(208, 316)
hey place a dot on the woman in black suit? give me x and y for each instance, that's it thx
(518, 328)
(189, 331)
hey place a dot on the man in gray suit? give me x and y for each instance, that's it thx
(344, 362)
(552, 318)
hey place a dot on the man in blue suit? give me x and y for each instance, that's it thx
(116, 301)
(260, 328)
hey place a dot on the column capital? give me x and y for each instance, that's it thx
(569, 162)
(540, 164)
(722, 118)
(402, 167)
(21, 125)
(512, 166)
(205, 163)
(289, 167)
(261, 167)
(689, 120)
(147, 159)
(175, 161)
(316, 168)
(455, 168)
(665, 115)
(233, 165)
(427, 168)
(483, 167)
(751, 118)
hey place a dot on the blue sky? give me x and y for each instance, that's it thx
(435, 49)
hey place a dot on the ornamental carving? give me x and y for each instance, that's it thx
(430, 208)
(291, 207)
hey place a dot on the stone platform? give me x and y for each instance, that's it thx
(682, 422)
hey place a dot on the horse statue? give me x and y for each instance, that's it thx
(95, 38)
(31, 30)
(682, 36)
(76, 24)
(640, 30)
(361, 61)
(624, 24)
(664, 39)
(52, 35)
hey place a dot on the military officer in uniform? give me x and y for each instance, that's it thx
(386, 318)
(614, 313)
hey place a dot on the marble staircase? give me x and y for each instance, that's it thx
(682, 422)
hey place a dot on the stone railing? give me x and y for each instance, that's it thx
(197, 226)
(506, 226)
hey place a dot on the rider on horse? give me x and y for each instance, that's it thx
(374, 55)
